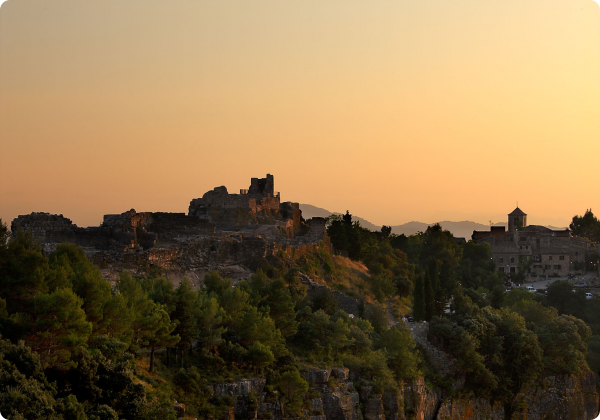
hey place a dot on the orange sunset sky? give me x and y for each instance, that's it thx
(396, 110)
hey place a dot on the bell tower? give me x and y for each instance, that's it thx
(517, 219)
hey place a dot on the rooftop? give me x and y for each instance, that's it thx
(517, 212)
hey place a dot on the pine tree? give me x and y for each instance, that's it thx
(186, 315)
(58, 327)
(160, 335)
(429, 298)
(419, 300)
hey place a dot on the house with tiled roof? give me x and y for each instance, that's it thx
(552, 252)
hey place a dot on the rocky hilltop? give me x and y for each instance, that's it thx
(228, 232)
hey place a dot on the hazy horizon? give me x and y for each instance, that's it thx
(398, 111)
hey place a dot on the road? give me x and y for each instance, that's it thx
(590, 278)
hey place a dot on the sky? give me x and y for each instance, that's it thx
(396, 110)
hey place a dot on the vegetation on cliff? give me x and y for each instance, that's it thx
(73, 346)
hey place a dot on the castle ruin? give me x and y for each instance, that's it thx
(229, 232)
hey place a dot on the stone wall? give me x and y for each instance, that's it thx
(440, 360)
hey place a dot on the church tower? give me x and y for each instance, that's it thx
(516, 219)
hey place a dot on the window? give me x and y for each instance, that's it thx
(562, 258)
(501, 269)
(501, 260)
(512, 259)
(550, 257)
(513, 270)
(548, 266)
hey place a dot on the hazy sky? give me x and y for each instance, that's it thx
(396, 110)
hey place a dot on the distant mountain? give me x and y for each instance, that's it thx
(309, 211)
(458, 229)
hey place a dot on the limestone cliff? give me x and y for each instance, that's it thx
(564, 397)
(560, 398)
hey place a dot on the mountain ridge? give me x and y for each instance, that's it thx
(462, 229)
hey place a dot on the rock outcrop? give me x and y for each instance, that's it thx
(470, 409)
(564, 397)
(228, 232)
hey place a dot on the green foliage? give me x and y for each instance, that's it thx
(185, 313)
(560, 295)
(400, 350)
(259, 356)
(419, 305)
(292, 387)
(463, 347)
(377, 314)
(57, 327)
(194, 391)
(86, 280)
(563, 341)
(382, 286)
(214, 283)
(24, 390)
(23, 273)
(586, 226)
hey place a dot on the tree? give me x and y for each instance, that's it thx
(277, 297)
(386, 231)
(429, 298)
(586, 226)
(560, 295)
(419, 308)
(86, 280)
(340, 335)
(159, 333)
(259, 356)
(210, 321)
(293, 387)
(24, 390)
(214, 283)
(382, 286)
(400, 351)
(523, 267)
(325, 301)
(116, 319)
(186, 315)
(336, 230)
(194, 391)
(563, 341)
(377, 314)
(23, 272)
(57, 328)
(521, 351)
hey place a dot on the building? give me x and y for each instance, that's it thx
(551, 252)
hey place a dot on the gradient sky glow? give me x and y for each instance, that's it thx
(396, 110)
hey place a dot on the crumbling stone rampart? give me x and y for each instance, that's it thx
(440, 360)
(222, 231)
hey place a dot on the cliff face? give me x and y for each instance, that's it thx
(470, 409)
(561, 398)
